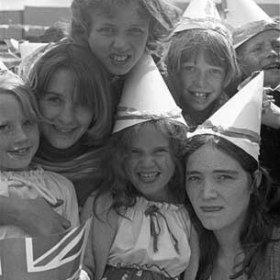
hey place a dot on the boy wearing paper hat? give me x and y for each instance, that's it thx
(256, 40)
(200, 61)
(149, 231)
(229, 193)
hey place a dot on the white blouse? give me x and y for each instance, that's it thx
(153, 236)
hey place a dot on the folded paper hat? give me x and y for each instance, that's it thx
(238, 120)
(203, 14)
(145, 97)
(248, 19)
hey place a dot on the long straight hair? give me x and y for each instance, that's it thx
(257, 227)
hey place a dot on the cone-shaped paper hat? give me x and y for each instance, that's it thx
(145, 97)
(241, 12)
(3, 66)
(203, 14)
(239, 120)
(197, 15)
(248, 19)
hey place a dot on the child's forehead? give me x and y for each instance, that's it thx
(209, 55)
(108, 8)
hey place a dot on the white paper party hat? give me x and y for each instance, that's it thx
(239, 120)
(145, 97)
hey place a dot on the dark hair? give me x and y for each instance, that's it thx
(257, 227)
(187, 44)
(123, 192)
(163, 18)
(91, 81)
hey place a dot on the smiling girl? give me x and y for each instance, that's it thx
(200, 62)
(19, 141)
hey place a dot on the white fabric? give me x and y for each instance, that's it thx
(37, 183)
(133, 244)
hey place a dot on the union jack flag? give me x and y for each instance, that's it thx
(54, 257)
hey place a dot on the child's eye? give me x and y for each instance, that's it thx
(215, 71)
(135, 152)
(136, 31)
(107, 30)
(160, 151)
(54, 100)
(29, 122)
(189, 68)
(4, 127)
(257, 48)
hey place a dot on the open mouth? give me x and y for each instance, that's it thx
(119, 59)
(275, 65)
(64, 130)
(20, 152)
(148, 177)
(200, 96)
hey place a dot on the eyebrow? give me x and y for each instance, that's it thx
(228, 171)
(53, 93)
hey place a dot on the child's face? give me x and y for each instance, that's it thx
(68, 119)
(201, 82)
(119, 39)
(150, 165)
(262, 52)
(19, 135)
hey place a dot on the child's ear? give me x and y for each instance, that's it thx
(257, 177)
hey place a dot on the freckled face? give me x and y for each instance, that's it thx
(119, 39)
(150, 165)
(67, 119)
(202, 83)
(218, 188)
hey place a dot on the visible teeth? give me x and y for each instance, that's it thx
(148, 174)
(20, 151)
(272, 66)
(200, 94)
(63, 130)
(118, 58)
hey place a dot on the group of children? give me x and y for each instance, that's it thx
(141, 228)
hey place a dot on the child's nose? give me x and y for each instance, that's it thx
(200, 79)
(20, 134)
(147, 161)
(67, 114)
(120, 42)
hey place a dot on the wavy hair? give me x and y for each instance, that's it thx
(257, 227)
(117, 183)
(163, 17)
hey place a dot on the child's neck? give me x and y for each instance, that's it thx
(167, 197)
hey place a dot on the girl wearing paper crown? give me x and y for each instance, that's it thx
(228, 193)
(200, 62)
(140, 229)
